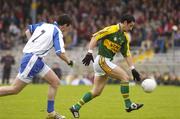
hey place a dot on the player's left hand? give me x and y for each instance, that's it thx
(86, 61)
(136, 75)
(71, 63)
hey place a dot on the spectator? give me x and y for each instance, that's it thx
(8, 61)
(71, 39)
(177, 37)
(160, 44)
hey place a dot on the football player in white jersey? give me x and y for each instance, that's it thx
(42, 37)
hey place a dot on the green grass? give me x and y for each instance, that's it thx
(164, 103)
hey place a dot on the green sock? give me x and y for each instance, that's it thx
(86, 98)
(125, 93)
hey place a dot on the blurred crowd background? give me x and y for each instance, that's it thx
(155, 40)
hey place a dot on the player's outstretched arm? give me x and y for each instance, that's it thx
(66, 59)
(129, 61)
(135, 73)
(89, 57)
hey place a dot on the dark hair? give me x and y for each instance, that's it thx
(64, 19)
(128, 18)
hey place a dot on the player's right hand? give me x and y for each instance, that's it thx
(87, 59)
(71, 63)
(136, 75)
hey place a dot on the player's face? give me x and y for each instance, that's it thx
(65, 28)
(129, 26)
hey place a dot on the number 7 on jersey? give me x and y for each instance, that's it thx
(42, 32)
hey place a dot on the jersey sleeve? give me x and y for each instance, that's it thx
(32, 27)
(125, 48)
(58, 42)
(106, 31)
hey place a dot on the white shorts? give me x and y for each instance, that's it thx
(102, 65)
(31, 65)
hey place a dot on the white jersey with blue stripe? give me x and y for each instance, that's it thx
(44, 37)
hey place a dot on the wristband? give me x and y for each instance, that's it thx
(132, 67)
(90, 51)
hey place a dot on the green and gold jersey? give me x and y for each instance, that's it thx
(112, 40)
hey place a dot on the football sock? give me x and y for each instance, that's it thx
(125, 93)
(50, 106)
(86, 98)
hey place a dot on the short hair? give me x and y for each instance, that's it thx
(128, 18)
(64, 19)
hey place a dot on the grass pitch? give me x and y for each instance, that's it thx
(163, 103)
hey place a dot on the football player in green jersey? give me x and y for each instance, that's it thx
(112, 39)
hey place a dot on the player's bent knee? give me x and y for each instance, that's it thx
(55, 84)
